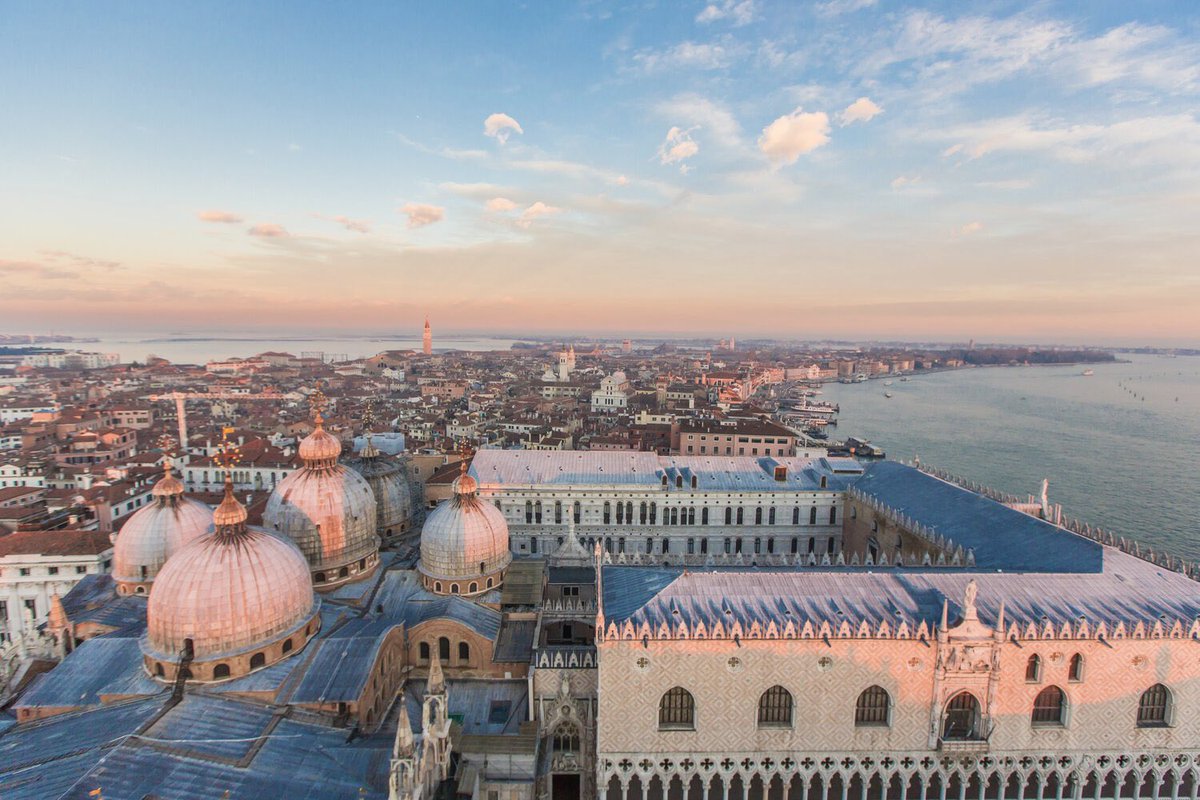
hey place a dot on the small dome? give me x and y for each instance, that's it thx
(233, 591)
(388, 478)
(153, 533)
(464, 543)
(320, 446)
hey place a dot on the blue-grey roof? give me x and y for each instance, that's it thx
(1002, 537)
(106, 665)
(340, 666)
(404, 599)
(480, 706)
(1129, 591)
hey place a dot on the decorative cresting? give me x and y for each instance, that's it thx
(464, 544)
(233, 601)
(835, 775)
(327, 509)
(388, 478)
(154, 532)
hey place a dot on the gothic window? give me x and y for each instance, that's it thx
(629, 512)
(1075, 672)
(728, 515)
(962, 718)
(566, 739)
(537, 512)
(649, 544)
(796, 515)
(643, 517)
(758, 516)
(741, 515)
(771, 516)
(775, 708)
(620, 513)
(678, 481)
(1048, 707)
(607, 512)
(704, 516)
(1153, 707)
(1033, 669)
(833, 515)
(872, 707)
(691, 516)
(812, 516)
(653, 513)
(528, 512)
(757, 545)
(677, 710)
(444, 649)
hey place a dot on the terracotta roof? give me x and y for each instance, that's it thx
(55, 543)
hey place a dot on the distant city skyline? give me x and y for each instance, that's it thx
(847, 169)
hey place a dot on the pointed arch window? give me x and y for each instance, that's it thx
(1049, 707)
(677, 710)
(1154, 707)
(962, 718)
(873, 707)
(775, 708)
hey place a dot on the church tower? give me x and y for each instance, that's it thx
(427, 339)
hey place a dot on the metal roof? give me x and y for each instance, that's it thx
(523, 583)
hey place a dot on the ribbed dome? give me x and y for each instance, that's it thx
(154, 532)
(320, 446)
(329, 512)
(231, 591)
(388, 479)
(464, 538)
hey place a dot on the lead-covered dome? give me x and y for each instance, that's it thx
(464, 544)
(238, 598)
(328, 510)
(388, 478)
(154, 532)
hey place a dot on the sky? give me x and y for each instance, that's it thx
(847, 168)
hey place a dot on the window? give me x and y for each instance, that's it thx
(775, 708)
(962, 718)
(812, 516)
(287, 646)
(566, 739)
(220, 671)
(771, 516)
(1033, 669)
(796, 515)
(81, 570)
(1154, 707)
(1048, 707)
(758, 516)
(24, 571)
(52, 570)
(257, 660)
(444, 649)
(872, 707)
(833, 515)
(741, 515)
(728, 515)
(1075, 671)
(677, 710)
(704, 516)
(464, 652)
(423, 651)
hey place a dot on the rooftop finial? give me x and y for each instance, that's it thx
(317, 401)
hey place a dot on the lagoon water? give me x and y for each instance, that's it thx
(1114, 459)
(200, 348)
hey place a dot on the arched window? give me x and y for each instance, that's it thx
(257, 660)
(677, 710)
(1048, 707)
(962, 718)
(1033, 669)
(771, 516)
(528, 512)
(758, 516)
(437, 586)
(678, 481)
(454, 586)
(423, 651)
(728, 515)
(1154, 707)
(796, 515)
(775, 708)
(444, 649)
(741, 515)
(812, 516)
(220, 671)
(620, 513)
(1075, 671)
(566, 739)
(833, 515)
(473, 588)
(704, 516)
(643, 513)
(464, 652)
(287, 646)
(872, 708)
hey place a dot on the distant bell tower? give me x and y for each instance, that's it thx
(427, 339)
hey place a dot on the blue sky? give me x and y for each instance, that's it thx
(996, 170)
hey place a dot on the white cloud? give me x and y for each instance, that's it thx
(678, 147)
(268, 230)
(500, 204)
(621, 181)
(834, 8)
(421, 214)
(227, 217)
(500, 127)
(356, 225)
(970, 228)
(701, 112)
(793, 135)
(861, 110)
(538, 209)
(739, 12)
(686, 55)
(905, 180)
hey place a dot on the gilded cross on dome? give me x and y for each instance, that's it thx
(229, 453)
(464, 451)
(317, 402)
(368, 416)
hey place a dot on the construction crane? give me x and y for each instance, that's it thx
(181, 399)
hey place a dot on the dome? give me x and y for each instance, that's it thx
(238, 596)
(388, 478)
(329, 511)
(154, 532)
(464, 544)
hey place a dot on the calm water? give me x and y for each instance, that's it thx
(195, 349)
(1114, 460)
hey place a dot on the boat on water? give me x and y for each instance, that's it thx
(862, 448)
(1087, 373)
(887, 395)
